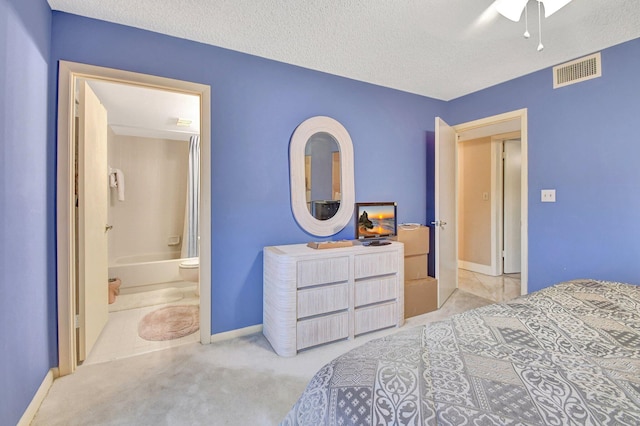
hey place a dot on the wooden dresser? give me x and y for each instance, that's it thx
(315, 296)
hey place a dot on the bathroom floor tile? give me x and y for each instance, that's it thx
(119, 339)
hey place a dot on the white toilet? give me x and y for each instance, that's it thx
(190, 271)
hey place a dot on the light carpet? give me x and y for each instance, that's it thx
(235, 382)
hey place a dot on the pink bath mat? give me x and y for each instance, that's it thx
(170, 322)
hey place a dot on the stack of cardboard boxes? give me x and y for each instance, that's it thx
(420, 290)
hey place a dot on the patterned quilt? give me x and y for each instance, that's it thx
(565, 355)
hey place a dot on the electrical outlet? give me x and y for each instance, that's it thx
(548, 195)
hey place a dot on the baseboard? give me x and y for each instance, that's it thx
(33, 407)
(475, 267)
(219, 337)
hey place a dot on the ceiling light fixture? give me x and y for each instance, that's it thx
(512, 9)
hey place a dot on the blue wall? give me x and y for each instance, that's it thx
(256, 105)
(27, 304)
(583, 141)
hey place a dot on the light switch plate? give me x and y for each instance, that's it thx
(548, 195)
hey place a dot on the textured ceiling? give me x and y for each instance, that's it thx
(437, 48)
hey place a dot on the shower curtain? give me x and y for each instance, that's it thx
(191, 219)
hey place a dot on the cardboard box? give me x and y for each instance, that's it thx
(416, 267)
(415, 239)
(420, 296)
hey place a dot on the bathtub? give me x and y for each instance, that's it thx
(146, 269)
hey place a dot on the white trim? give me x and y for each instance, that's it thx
(476, 267)
(301, 135)
(205, 214)
(520, 115)
(240, 332)
(65, 239)
(68, 71)
(30, 413)
(524, 197)
(496, 207)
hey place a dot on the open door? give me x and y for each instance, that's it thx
(446, 240)
(92, 292)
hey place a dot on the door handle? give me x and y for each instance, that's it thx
(440, 223)
(108, 228)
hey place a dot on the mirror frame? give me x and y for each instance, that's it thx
(302, 134)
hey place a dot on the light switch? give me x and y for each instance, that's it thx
(548, 195)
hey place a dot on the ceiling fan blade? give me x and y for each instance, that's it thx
(512, 9)
(552, 6)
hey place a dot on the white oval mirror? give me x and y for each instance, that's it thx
(327, 214)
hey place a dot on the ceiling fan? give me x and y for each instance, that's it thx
(512, 9)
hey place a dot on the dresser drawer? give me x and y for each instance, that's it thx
(315, 331)
(376, 290)
(371, 265)
(321, 300)
(323, 271)
(375, 317)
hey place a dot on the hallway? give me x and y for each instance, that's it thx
(498, 289)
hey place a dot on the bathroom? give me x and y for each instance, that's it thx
(153, 160)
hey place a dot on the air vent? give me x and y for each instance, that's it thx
(576, 71)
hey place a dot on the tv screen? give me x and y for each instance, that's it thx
(376, 220)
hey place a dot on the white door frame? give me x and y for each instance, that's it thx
(500, 123)
(65, 200)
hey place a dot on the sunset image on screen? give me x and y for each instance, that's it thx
(376, 220)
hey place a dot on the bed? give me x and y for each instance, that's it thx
(568, 354)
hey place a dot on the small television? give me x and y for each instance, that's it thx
(376, 220)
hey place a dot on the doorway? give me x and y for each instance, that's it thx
(489, 179)
(150, 153)
(68, 248)
(448, 207)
